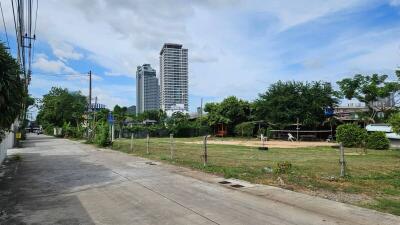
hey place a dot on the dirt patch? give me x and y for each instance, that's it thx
(269, 144)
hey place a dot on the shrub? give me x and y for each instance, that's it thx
(351, 135)
(49, 130)
(377, 140)
(394, 122)
(283, 167)
(102, 134)
(244, 129)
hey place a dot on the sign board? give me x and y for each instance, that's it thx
(18, 135)
(110, 118)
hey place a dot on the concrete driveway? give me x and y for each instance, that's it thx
(60, 181)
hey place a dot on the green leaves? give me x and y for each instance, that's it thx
(61, 106)
(284, 102)
(367, 88)
(12, 94)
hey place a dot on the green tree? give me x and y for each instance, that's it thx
(231, 111)
(61, 106)
(285, 102)
(368, 89)
(120, 114)
(12, 94)
(157, 115)
(394, 122)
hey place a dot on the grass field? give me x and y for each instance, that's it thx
(373, 179)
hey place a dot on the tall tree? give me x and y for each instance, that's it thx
(285, 102)
(60, 106)
(368, 89)
(231, 111)
(120, 115)
(12, 94)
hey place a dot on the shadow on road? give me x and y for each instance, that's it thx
(36, 189)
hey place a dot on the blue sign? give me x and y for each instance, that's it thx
(110, 118)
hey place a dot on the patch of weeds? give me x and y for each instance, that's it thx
(16, 157)
(388, 205)
(163, 157)
(283, 167)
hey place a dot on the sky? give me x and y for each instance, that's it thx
(236, 47)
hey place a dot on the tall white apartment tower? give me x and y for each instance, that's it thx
(174, 78)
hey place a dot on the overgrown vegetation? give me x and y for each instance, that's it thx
(12, 91)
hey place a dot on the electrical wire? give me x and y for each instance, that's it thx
(5, 27)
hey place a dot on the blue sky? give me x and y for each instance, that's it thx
(235, 47)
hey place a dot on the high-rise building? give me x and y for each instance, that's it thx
(174, 78)
(147, 89)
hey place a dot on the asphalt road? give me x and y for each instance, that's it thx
(64, 182)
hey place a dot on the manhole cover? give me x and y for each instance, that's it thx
(237, 186)
(224, 182)
(151, 163)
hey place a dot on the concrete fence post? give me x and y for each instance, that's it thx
(147, 144)
(205, 150)
(342, 161)
(171, 139)
(132, 141)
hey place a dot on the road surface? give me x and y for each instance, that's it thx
(59, 181)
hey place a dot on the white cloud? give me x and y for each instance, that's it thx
(65, 51)
(46, 65)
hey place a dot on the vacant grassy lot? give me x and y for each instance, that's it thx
(373, 179)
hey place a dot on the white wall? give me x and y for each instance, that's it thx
(6, 143)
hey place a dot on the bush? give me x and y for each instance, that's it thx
(102, 134)
(283, 167)
(377, 140)
(351, 135)
(49, 130)
(244, 129)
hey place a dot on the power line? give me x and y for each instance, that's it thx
(5, 27)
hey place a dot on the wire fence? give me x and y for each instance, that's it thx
(197, 152)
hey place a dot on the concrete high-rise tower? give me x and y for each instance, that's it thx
(147, 89)
(174, 78)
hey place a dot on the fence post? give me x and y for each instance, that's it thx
(342, 161)
(171, 139)
(205, 150)
(132, 141)
(147, 145)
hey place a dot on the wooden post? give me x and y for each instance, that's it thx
(205, 150)
(147, 146)
(171, 139)
(131, 141)
(342, 162)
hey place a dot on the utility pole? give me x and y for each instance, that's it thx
(89, 105)
(94, 116)
(201, 108)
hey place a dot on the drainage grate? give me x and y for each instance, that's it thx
(237, 186)
(151, 163)
(224, 182)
